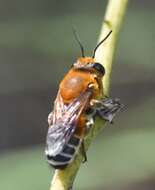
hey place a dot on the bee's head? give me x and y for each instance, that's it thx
(89, 64)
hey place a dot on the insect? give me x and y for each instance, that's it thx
(79, 100)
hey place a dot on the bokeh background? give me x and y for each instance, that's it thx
(37, 47)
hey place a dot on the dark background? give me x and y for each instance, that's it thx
(37, 47)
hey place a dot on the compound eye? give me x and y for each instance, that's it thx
(99, 68)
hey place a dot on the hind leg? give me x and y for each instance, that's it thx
(106, 108)
(84, 152)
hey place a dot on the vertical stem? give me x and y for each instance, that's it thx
(113, 19)
(63, 179)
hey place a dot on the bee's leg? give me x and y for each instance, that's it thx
(107, 108)
(83, 152)
(90, 115)
(89, 124)
(50, 118)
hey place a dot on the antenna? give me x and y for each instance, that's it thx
(79, 41)
(94, 51)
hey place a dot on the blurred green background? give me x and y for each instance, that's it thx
(37, 47)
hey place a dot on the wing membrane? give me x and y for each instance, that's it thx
(65, 120)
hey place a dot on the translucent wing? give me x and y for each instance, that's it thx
(65, 118)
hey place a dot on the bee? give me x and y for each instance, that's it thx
(79, 100)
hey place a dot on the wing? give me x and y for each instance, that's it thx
(65, 118)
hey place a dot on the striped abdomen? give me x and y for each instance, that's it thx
(67, 155)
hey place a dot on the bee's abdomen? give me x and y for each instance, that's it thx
(62, 159)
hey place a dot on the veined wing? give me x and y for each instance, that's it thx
(64, 123)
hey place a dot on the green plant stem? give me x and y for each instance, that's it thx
(63, 179)
(112, 21)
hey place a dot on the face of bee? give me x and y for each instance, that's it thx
(89, 64)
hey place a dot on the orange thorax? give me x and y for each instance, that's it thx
(74, 83)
